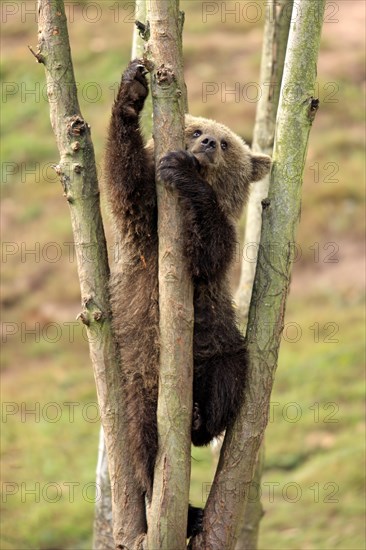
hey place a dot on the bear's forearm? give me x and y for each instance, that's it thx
(130, 182)
(129, 171)
(127, 163)
(209, 238)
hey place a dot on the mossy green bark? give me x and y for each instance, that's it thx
(276, 29)
(77, 172)
(281, 212)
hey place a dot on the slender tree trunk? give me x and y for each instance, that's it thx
(276, 29)
(167, 518)
(79, 179)
(138, 42)
(103, 532)
(140, 35)
(281, 212)
(249, 531)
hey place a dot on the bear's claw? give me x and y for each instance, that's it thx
(133, 89)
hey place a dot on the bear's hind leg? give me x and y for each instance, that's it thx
(142, 434)
(217, 394)
(195, 521)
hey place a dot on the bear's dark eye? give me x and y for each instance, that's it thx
(224, 145)
(197, 133)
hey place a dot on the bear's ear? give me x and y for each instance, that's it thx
(261, 165)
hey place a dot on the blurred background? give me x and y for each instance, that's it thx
(313, 482)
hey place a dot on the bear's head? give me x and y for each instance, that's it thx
(227, 163)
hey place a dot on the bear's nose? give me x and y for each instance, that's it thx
(209, 142)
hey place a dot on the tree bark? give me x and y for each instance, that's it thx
(276, 29)
(167, 517)
(138, 41)
(140, 36)
(79, 179)
(103, 532)
(281, 212)
(249, 531)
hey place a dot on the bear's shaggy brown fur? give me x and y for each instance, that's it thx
(212, 178)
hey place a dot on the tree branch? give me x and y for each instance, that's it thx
(249, 531)
(229, 493)
(140, 36)
(276, 29)
(79, 179)
(275, 36)
(168, 514)
(103, 532)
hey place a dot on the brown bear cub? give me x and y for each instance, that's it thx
(212, 177)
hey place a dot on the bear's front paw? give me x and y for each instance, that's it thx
(177, 166)
(133, 89)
